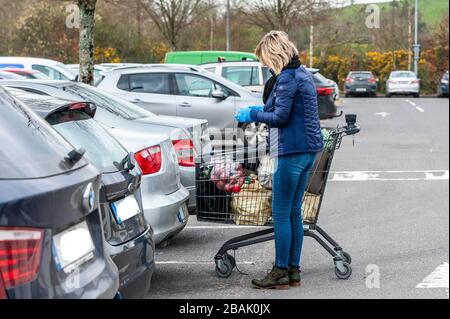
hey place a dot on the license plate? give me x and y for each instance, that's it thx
(72, 247)
(183, 213)
(125, 209)
(361, 90)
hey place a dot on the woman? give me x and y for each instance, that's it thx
(291, 113)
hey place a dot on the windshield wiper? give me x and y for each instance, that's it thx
(127, 163)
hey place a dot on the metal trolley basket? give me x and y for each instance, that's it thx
(235, 188)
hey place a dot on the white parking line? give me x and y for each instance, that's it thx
(181, 262)
(437, 279)
(420, 109)
(411, 102)
(357, 176)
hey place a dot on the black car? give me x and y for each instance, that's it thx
(443, 86)
(361, 83)
(325, 96)
(51, 241)
(129, 239)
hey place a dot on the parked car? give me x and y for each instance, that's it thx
(28, 74)
(403, 82)
(128, 236)
(164, 198)
(361, 83)
(182, 90)
(10, 76)
(51, 239)
(199, 57)
(253, 76)
(53, 69)
(189, 136)
(442, 86)
(98, 71)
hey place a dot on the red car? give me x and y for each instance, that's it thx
(29, 74)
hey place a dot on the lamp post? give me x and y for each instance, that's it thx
(416, 45)
(228, 44)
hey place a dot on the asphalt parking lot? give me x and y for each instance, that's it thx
(386, 203)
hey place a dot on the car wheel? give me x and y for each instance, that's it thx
(416, 95)
(347, 95)
(253, 133)
(388, 95)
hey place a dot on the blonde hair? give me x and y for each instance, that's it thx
(275, 50)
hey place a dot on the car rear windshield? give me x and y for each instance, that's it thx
(361, 75)
(403, 74)
(83, 132)
(30, 148)
(108, 102)
(320, 79)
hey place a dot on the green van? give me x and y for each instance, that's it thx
(200, 57)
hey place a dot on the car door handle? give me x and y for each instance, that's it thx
(136, 100)
(185, 104)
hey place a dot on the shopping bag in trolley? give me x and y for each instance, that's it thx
(252, 205)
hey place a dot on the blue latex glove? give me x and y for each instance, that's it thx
(256, 108)
(243, 115)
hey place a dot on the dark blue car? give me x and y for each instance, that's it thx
(129, 238)
(51, 240)
(443, 86)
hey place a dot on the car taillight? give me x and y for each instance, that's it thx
(324, 91)
(20, 255)
(185, 152)
(149, 160)
(372, 80)
(2, 290)
(415, 81)
(349, 80)
(88, 108)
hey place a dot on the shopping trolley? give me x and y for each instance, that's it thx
(234, 187)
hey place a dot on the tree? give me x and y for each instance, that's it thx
(171, 17)
(280, 14)
(87, 21)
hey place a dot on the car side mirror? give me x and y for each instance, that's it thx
(218, 94)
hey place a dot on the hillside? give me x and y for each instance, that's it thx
(431, 11)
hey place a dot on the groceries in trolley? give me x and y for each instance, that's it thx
(236, 187)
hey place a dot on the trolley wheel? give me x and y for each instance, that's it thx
(231, 259)
(347, 258)
(225, 269)
(346, 273)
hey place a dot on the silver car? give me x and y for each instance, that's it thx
(116, 112)
(164, 198)
(181, 90)
(403, 82)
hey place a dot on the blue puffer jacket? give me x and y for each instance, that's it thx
(291, 114)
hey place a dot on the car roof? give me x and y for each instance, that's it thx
(44, 105)
(28, 59)
(23, 71)
(352, 72)
(155, 68)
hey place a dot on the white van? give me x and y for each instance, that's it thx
(53, 69)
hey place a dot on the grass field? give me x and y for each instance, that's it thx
(431, 11)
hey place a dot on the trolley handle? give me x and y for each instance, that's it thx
(351, 128)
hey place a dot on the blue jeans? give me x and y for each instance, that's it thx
(288, 186)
